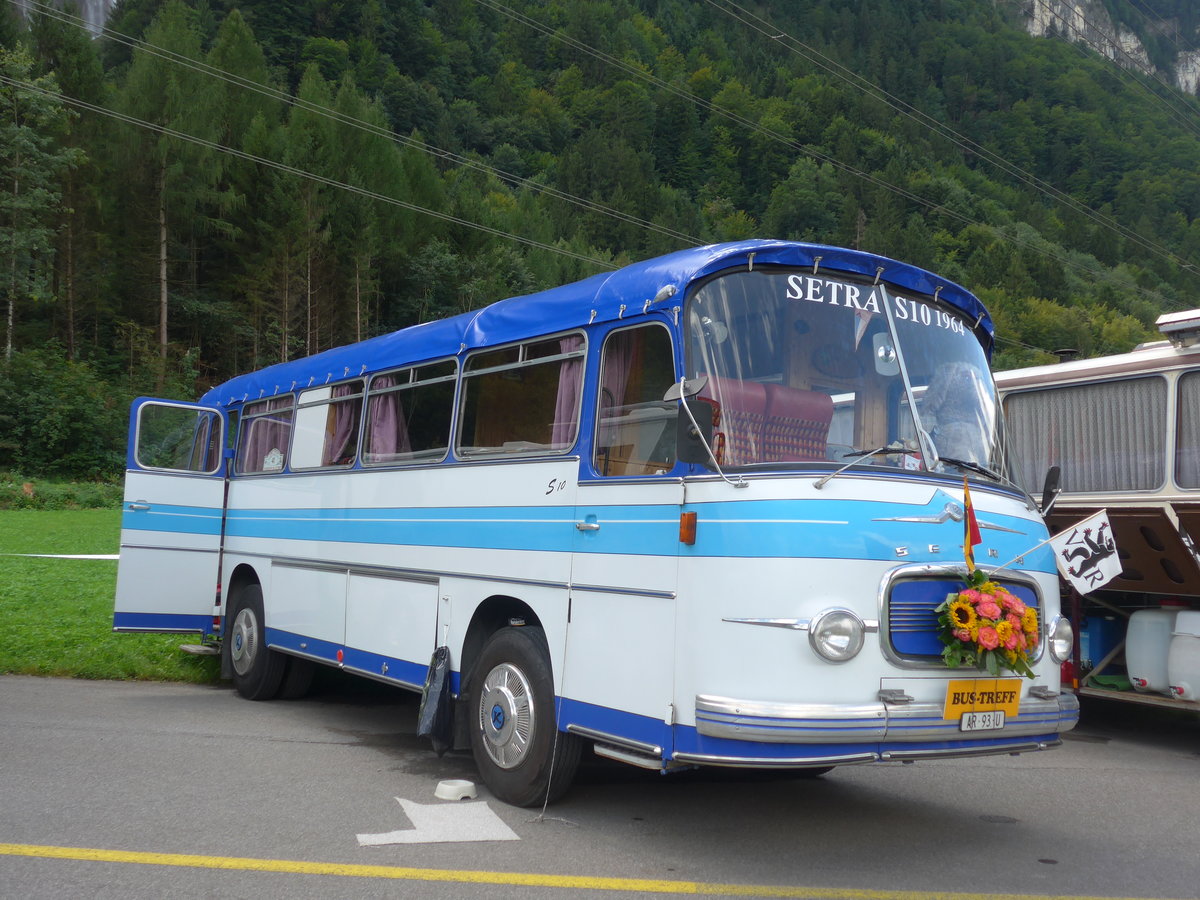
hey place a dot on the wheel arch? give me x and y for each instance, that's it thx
(495, 612)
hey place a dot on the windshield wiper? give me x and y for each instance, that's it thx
(973, 466)
(894, 447)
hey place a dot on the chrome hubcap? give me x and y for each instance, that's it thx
(506, 715)
(243, 645)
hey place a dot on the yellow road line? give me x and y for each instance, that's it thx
(467, 876)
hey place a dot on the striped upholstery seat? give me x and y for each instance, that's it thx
(796, 424)
(740, 417)
(756, 422)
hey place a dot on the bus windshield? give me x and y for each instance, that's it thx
(801, 368)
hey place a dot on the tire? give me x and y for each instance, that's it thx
(257, 670)
(811, 772)
(521, 755)
(297, 678)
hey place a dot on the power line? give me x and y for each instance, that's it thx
(464, 161)
(1145, 12)
(335, 115)
(292, 170)
(774, 33)
(1182, 117)
(808, 150)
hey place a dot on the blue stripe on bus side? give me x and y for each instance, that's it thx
(171, 519)
(388, 668)
(766, 529)
(144, 621)
(644, 729)
(517, 528)
(760, 529)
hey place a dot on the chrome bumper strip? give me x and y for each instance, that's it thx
(989, 750)
(812, 723)
(767, 762)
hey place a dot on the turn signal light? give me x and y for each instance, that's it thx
(687, 528)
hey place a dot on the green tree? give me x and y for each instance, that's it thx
(171, 178)
(32, 121)
(309, 147)
(70, 53)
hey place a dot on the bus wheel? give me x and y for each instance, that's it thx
(297, 678)
(811, 772)
(257, 670)
(521, 755)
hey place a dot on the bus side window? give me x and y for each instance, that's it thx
(327, 426)
(409, 413)
(635, 428)
(178, 438)
(1187, 454)
(265, 434)
(523, 399)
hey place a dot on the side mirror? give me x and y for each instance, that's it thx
(1051, 489)
(689, 442)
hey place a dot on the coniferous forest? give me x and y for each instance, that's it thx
(211, 186)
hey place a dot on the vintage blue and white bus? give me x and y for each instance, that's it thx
(698, 511)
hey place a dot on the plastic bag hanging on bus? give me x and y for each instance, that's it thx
(436, 717)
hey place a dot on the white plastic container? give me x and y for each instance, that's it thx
(1146, 644)
(1183, 657)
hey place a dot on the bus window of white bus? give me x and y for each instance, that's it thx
(777, 348)
(635, 432)
(178, 438)
(327, 426)
(523, 399)
(265, 435)
(409, 412)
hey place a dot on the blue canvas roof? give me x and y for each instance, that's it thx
(623, 293)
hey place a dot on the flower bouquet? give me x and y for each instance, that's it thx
(987, 627)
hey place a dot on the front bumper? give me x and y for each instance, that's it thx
(902, 723)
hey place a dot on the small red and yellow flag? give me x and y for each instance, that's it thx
(971, 535)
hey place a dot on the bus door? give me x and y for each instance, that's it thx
(620, 640)
(172, 518)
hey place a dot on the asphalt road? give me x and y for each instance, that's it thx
(137, 790)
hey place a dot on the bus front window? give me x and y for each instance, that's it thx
(806, 369)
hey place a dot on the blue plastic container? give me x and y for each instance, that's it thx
(1097, 638)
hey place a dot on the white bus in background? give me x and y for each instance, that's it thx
(626, 509)
(1124, 433)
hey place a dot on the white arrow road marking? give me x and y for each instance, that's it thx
(444, 823)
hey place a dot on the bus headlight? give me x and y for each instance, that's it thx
(836, 635)
(1061, 640)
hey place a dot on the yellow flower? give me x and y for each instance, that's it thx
(1004, 631)
(1029, 621)
(962, 614)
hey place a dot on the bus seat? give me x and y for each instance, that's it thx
(740, 413)
(796, 424)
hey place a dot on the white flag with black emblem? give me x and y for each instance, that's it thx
(1086, 553)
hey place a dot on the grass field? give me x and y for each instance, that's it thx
(57, 613)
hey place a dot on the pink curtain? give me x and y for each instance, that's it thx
(266, 433)
(339, 449)
(618, 360)
(566, 406)
(387, 432)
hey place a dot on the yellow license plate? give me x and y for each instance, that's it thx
(969, 695)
